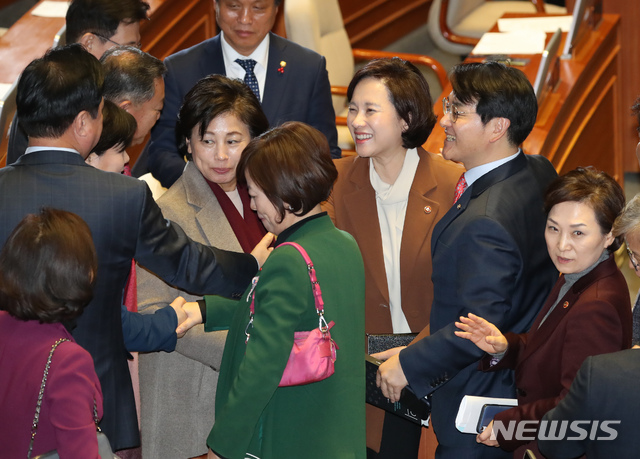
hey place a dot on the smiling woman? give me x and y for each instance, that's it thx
(389, 198)
(587, 312)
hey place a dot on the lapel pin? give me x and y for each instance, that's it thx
(427, 210)
(459, 206)
(283, 64)
(565, 305)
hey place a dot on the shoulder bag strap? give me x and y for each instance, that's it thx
(36, 418)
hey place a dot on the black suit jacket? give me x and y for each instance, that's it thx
(300, 93)
(490, 258)
(126, 224)
(605, 388)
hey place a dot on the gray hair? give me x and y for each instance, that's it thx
(629, 220)
(130, 74)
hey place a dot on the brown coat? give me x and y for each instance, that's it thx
(352, 207)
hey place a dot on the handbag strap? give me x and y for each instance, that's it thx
(315, 286)
(36, 418)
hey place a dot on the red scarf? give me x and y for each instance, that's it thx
(248, 230)
(131, 288)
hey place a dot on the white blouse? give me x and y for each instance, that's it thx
(391, 202)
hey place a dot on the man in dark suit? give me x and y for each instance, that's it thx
(59, 103)
(489, 253)
(98, 25)
(292, 82)
(605, 389)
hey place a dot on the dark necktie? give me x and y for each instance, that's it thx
(250, 77)
(460, 187)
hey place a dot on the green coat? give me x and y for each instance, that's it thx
(324, 419)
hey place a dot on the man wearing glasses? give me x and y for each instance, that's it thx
(98, 25)
(489, 253)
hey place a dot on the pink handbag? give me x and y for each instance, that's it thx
(313, 355)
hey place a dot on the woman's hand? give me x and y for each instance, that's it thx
(262, 251)
(384, 355)
(194, 317)
(212, 455)
(487, 437)
(483, 334)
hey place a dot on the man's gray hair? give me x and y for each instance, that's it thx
(130, 74)
(629, 220)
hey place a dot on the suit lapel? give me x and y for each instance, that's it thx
(209, 215)
(363, 218)
(213, 64)
(420, 217)
(476, 189)
(276, 82)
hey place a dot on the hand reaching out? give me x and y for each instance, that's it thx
(483, 334)
(262, 251)
(193, 317)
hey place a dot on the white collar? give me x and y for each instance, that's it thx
(260, 54)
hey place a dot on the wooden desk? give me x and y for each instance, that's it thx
(579, 124)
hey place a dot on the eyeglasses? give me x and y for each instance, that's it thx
(135, 45)
(632, 257)
(452, 110)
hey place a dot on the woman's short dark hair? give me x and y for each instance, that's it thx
(291, 164)
(408, 92)
(47, 267)
(595, 188)
(213, 96)
(118, 129)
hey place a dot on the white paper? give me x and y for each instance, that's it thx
(50, 9)
(523, 42)
(547, 24)
(471, 407)
(4, 88)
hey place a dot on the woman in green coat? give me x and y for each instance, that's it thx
(289, 172)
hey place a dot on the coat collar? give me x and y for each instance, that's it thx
(208, 213)
(537, 336)
(421, 214)
(51, 157)
(478, 187)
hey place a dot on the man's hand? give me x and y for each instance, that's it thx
(487, 437)
(193, 317)
(262, 251)
(177, 307)
(384, 355)
(391, 379)
(212, 455)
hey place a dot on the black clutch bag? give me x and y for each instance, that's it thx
(408, 407)
(384, 341)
